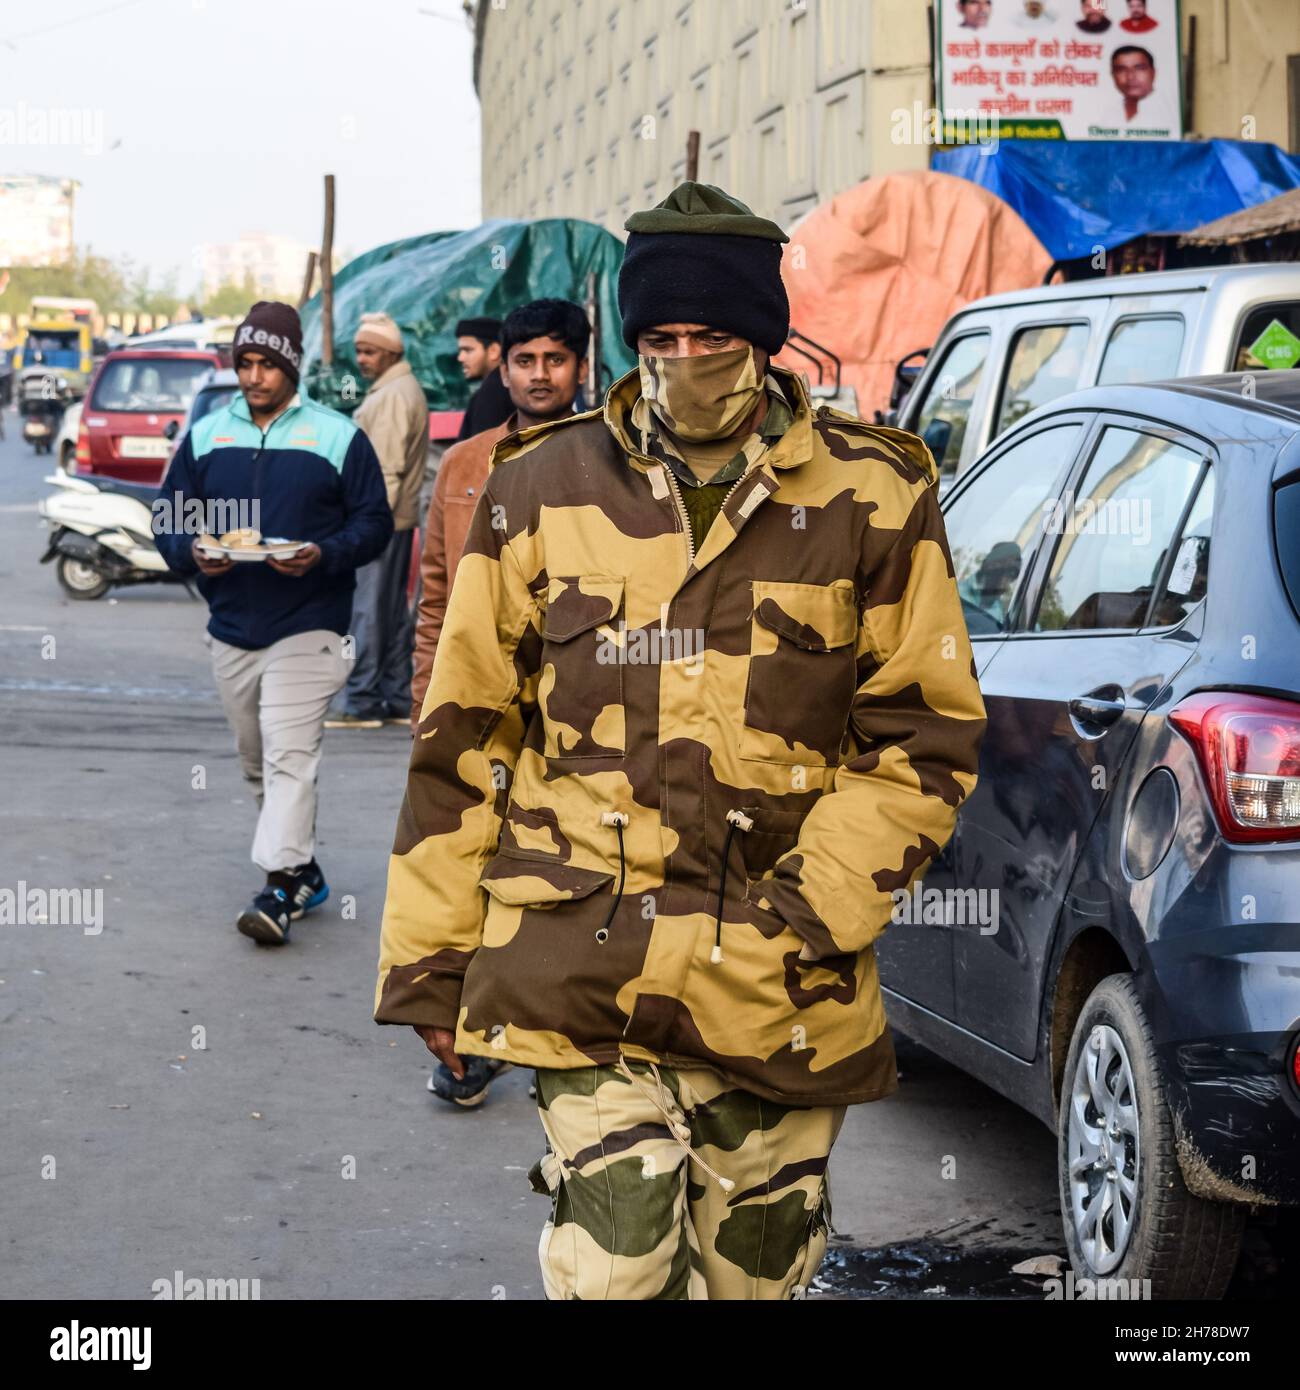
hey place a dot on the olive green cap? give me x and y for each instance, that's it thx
(701, 207)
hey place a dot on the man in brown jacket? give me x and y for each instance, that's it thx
(543, 364)
(395, 418)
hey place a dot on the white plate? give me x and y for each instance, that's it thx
(272, 547)
(144, 446)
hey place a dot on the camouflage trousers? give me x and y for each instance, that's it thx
(744, 1215)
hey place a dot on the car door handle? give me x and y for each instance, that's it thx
(1098, 709)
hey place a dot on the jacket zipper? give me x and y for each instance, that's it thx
(681, 507)
(683, 515)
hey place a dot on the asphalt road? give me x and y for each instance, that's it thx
(230, 1161)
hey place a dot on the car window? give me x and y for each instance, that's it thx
(1269, 338)
(946, 409)
(209, 399)
(1189, 572)
(150, 383)
(993, 524)
(1113, 535)
(1044, 362)
(1142, 349)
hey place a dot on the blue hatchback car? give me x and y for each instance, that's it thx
(1115, 935)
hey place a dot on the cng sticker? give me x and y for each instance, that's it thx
(1276, 346)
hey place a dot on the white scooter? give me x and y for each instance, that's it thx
(101, 532)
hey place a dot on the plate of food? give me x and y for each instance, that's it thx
(247, 544)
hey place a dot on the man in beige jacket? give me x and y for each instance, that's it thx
(395, 417)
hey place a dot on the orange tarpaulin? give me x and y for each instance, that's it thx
(876, 272)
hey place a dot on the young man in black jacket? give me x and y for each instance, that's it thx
(285, 467)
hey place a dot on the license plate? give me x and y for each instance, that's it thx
(143, 446)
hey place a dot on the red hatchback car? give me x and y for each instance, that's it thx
(134, 396)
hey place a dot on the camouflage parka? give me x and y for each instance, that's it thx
(659, 801)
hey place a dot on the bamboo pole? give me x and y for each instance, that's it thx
(327, 278)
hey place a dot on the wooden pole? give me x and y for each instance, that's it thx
(327, 278)
(692, 155)
(307, 279)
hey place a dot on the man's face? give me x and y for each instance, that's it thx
(693, 340)
(1092, 10)
(1133, 75)
(476, 357)
(1137, 9)
(543, 376)
(374, 361)
(975, 13)
(1033, 8)
(265, 386)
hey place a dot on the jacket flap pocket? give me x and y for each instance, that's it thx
(521, 882)
(817, 617)
(580, 602)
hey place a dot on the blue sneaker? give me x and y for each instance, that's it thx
(288, 895)
(472, 1089)
(307, 889)
(267, 917)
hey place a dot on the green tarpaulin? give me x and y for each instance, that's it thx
(429, 282)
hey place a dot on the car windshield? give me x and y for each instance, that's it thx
(149, 383)
(53, 342)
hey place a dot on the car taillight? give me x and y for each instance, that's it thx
(83, 449)
(1249, 750)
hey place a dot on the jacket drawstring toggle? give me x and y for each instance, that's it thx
(618, 819)
(736, 820)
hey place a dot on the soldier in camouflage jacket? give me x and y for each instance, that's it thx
(675, 758)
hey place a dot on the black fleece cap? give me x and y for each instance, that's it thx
(702, 256)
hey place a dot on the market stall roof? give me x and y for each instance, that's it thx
(1273, 218)
(875, 273)
(1081, 195)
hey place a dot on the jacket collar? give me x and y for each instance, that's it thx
(399, 368)
(795, 446)
(239, 409)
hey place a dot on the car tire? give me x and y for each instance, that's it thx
(1186, 1246)
(79, 580)
(68, 457)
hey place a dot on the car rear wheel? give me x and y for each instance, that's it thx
(1127, 1212)
(80, 580)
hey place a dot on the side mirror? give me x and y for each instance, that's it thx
(937, 435)
(171, 429)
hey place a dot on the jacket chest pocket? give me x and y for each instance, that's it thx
(802, 673)
(581, 688)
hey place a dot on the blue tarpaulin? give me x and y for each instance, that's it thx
(1079, 195)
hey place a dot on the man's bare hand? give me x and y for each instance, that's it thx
(206, 563)
(442, 1043)
(299, 562)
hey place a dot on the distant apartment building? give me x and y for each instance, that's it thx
(586, 104)
(36, 219)
(276, 264)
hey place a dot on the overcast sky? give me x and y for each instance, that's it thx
(221, 116)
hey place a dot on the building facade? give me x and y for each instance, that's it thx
(586, 104)
(36, 219)
(275, 264)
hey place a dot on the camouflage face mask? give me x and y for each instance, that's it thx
(702, 397)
